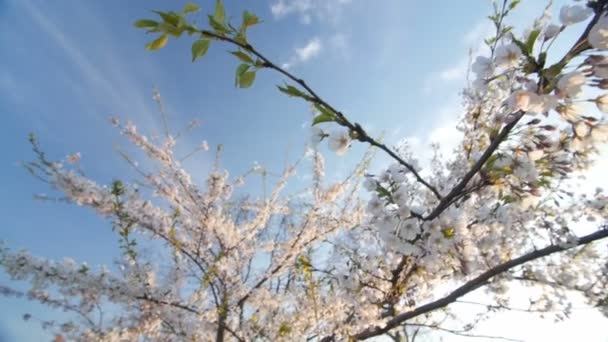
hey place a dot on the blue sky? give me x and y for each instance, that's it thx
(66, 66)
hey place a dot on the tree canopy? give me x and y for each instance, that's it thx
(382, 252)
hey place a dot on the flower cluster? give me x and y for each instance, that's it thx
(323, 265)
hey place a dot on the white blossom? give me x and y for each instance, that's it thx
(598, 35)
(551, 31)
(370, 184)
(339, 141)
(523, 100)
(571, 112)
(581, 129)
(325, 259)
(482, 67)
(572, 14)
(570, 84)
(508, 56)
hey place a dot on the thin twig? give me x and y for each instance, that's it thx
(359, 132)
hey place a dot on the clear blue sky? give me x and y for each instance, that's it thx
(66, 66)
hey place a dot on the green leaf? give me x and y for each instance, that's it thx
(542, 59)
(513, 4)
(520, 45)
(531, 40)
(145, 23)
(322, 118)
(217, 26)
(325, 115)
(382, 192)
(243, 57)
(241, 38)
(190, 8)
(249, 19)
(508, 199)
(199, 48)
(159, 43)
(448, 232)
(284, 329)
(293, 91)
(220, 12)
(246, 79)
(324, 110)
(170, 29)
(117, 188)
(241, 69)
(169, 17)
(490, 41)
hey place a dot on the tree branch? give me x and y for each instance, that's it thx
(464, 333)
(579, 46)
(360, 133)
(476, 283)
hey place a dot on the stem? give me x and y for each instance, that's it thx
(477, 282)
(342, 120)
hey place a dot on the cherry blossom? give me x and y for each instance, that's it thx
(334, 263)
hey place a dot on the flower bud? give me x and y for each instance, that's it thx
(598, 35)
(602, 103)
(595, 60)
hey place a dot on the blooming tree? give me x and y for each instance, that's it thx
(323, 266)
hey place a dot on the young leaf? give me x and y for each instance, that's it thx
(169, 17)
(145, 23)
(513, 4)
(292, 91)
(324, 114)
(323, 117)
(190, 7)
(159, 43)
(220, 13)
(199, 48)
(246, 79)
(520, 45)
(241, 69)
(249, 19)
(170, 29)
(531, 40)
(241, 38)
(217, 26)
(243, 57)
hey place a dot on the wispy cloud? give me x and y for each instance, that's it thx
(105, 80)
(101, 76)
(79, 59)
(304, 53)
(307, 10)
(444, 132)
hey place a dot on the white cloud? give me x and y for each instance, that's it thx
(310, 50)
(324, 10)
(444, 132)
(305, 53)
